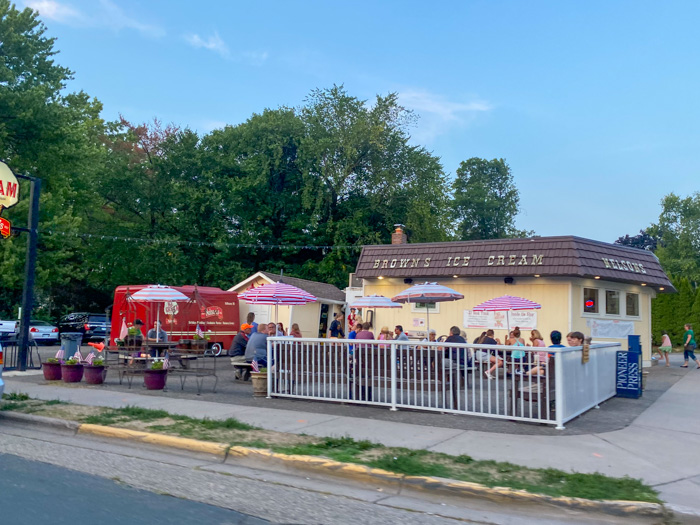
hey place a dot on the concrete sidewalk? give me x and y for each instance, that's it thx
(657, 447)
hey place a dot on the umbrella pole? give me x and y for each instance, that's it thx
(427, 313)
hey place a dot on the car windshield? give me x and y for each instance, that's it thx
(39, 323)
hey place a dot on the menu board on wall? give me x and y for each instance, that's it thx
(525, 319)
(610, 329)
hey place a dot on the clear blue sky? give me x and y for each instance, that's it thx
(593, 104)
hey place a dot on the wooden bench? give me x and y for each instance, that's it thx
(193, 363)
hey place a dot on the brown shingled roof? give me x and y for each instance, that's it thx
(544, 256)
(320, 290)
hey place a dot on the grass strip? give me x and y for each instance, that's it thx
(552, 482)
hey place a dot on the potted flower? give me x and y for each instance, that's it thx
(95, 372)
(155, 376)
(52, 369)
(134, 337)
(259, 380)
(199, 342)
(71, 371)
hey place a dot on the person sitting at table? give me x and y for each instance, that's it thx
(157, 334)
(237, 350)
(281, 332)
(258, 340)
(295, 331)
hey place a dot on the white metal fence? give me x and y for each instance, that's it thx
(540, 385)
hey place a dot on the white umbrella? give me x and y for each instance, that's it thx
(427, 293)
(374, 301)
(158, 294)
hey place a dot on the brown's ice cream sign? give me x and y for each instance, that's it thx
(9, 195)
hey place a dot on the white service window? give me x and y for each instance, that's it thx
(632, 309)
(612, 302)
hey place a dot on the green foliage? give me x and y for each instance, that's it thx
(678, 231)
(15, 396)
(157, 365)
(486, 200)
(71, 361)
(52, 360)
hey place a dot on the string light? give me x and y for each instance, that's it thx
(218, 245)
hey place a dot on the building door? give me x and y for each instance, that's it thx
(261, 311)
(323, 321)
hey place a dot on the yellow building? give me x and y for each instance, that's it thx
(603, 290)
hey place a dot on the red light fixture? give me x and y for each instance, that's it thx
(33, 329)
(86, 326)
(55, 330)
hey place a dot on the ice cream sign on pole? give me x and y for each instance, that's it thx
(9, 195)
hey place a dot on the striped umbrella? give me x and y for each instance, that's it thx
(157, 293)
(374, 301)
(277, 294)
(507, 303)
(427, 293)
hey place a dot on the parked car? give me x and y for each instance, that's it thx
(42, 332)
(94, 327)
(8, 329)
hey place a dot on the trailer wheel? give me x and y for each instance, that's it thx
(216, 349)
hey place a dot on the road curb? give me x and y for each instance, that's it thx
(192, 445)
(58, 424)
(350, 471)
(365, 474)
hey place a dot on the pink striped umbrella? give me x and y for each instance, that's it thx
(277, 294)
(427, 293)
(507, 303)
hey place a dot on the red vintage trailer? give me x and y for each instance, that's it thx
(215, 310)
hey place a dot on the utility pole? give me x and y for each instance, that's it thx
(29, 269)
(9, 196)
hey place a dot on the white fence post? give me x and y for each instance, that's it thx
(269, 369)
(393, 377)
(558, 390)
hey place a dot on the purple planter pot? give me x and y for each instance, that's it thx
(52, 371)
(94, 374)
(155, 379)
(72, 373)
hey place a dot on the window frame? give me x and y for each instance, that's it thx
(639, 306)
(423, 310)
(583, 300)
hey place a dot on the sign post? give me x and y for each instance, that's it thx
(9, 195)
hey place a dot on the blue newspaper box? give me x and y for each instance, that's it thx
(629, 369)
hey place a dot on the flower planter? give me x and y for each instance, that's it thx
(259, 384)
(94, 374)
(155, 379)
(72, 373)
(52, 371)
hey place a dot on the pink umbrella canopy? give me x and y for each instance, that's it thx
(428, 293)
(277, 293)
(507, 302)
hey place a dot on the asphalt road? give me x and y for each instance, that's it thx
(48, 476)
(34, 492)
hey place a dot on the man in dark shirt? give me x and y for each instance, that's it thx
(458, 354)
(237, 351)
(336, 328)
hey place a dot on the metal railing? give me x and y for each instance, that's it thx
(11, 356)
(539, 385)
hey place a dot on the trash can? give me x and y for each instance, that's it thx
(70, 342)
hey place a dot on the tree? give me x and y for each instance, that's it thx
(486, 200)
(643, 241)
(678, 231)
(52, 135)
